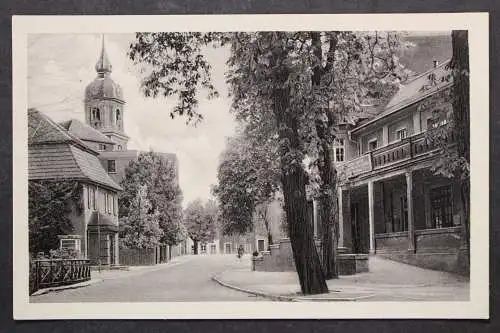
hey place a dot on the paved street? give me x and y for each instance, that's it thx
(189, 281)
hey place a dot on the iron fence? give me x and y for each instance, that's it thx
(45, 273)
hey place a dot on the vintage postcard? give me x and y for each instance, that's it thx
(251, 166)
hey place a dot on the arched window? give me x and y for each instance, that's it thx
(96, 117)
(118, 118)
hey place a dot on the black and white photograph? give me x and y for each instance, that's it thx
(332, 169)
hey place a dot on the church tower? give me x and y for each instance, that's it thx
(104, 103)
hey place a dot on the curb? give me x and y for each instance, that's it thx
(140, 271)
(283, 298)
(278, 298)
(70, 286)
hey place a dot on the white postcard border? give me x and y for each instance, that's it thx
(477, 307)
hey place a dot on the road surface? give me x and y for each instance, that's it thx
(190, 280)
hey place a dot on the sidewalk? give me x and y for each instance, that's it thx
(136, 270)
(386, 281)
(98, 277)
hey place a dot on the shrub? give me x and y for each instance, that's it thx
(63, 254)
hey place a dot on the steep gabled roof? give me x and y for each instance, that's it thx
(55, 154)
(413, 91)
(85, 132)
(42, 129)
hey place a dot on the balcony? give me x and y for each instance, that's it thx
(396, 153)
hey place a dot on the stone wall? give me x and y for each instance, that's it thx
(280, 259)
(440, 249)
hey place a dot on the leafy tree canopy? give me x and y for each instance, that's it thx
(159, 175)
(200, 221)
(248, 174)
(140, 229)
(49, 206)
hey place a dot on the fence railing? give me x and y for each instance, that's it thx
(395, 153)
(45, 273)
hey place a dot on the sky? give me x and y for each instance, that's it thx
(60, 66)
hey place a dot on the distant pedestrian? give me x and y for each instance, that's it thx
(240, 252)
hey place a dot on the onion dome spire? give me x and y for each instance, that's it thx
(103, 66)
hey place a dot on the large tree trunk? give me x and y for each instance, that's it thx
(327, 208)
(327, 173)
(461, 115)
(307, 262)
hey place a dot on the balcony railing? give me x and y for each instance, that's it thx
(45, 273)
(392, 154)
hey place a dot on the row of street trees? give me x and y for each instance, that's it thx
(289, 90)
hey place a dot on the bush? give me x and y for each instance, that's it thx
(63, 254)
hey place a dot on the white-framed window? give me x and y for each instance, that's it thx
(338, 150)
(91, 198)
(372, 144)
(108, 203)
(89, 201)
(203, 248)
(213, 248)
(401, 133)
(227, 247)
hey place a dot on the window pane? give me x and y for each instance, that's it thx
(441, 207)
(111, 166)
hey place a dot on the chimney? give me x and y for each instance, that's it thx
(435, 63)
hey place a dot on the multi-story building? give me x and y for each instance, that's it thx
(55, 154)
(391, 203)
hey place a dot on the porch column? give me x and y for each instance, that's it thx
(117, 249)
(341, 218)
(409, 200)
(371, 217)
(348, 216)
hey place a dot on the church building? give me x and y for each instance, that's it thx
(104, 111)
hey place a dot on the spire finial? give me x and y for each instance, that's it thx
(103, 66)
